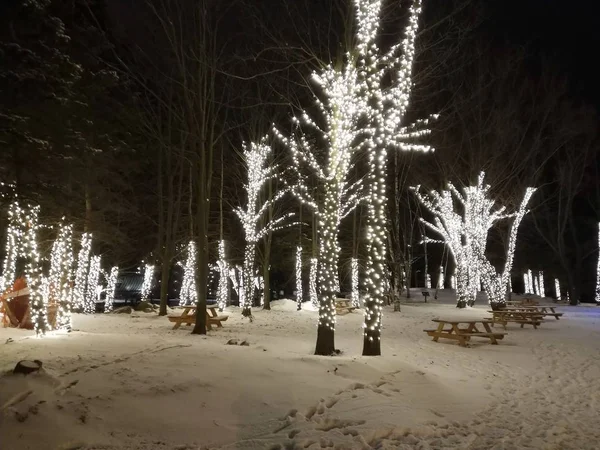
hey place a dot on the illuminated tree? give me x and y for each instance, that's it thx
(147, 283)
(299, 293)
(11, 250)
(223, 267)
(359, 110)
(81, 273)
(259, 172)
(188, 292)
(110, 289)
(93, 280)
(59, 290)
(355, 292)
(463, 220)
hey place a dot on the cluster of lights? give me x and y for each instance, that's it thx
(33, 269)
(361, 110)
(187, 294)
(58, 286)
(81, 273)
(11, 250)
(354, 277)
(312, 282)
(93, 282)
(259, 284)
(427, 281)
(453, 282)
(541, 287)
(528, 282)
(299, 293)
(256, 156)
(464, 228)
(440, 283)
(223, 287)
(557, 288)
(148, 280)
(111, 288)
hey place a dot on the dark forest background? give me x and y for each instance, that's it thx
(112, 113)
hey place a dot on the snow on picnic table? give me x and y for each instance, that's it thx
(125, 382)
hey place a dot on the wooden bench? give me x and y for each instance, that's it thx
(543, 310)
(188, 317)
(503, 316)
(456, 330)
(343, 306)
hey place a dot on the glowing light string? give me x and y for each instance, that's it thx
(111, 288)
(188, 293)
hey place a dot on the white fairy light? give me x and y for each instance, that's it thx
(453, 282)
(187, 293)
(223, 286)
(541, 288)
(530, 282)
(111, 288)
(14, 235)
(259, 284)
(527, 283)
(299, 293)
(440, 283)
(81, 272)
(312, 282)
(536, 285)
(355, 293)
(466, 231)
(362, 104)
(148, 281)
(557, 288)
(58, 287)
(259, 172)
(93, 280)
(427, 281)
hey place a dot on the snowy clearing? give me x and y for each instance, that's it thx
(128, 382)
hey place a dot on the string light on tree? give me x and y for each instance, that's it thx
(453, 282)
(188, 293)
(14, 235)
(557, 288)
(312, 282)
(223, 267)
(427, 281)
(362, 103)
(440, 284)
(81, 273)
(541, 288)
(299, 293)
(536, 285)
(527, 283)
(148, 280)
(111, 287)
(355, 293)
(58, 287)
(259, 173)
(93, 280)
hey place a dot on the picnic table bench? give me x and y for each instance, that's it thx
(188, 316)
(463, 330)
(522, 317)
(343, 306)
(544, 310)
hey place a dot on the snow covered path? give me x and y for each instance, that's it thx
(125, 383)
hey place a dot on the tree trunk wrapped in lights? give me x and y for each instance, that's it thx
(59, 291)
(147, 283)
(541, 287)
(299, 293)
(358, 112)
(93, 280)
(223, 287)
(111, 288)
(256, 158)
(354, 277)
(11, 250)
(312, 282)
(188, 292)
(557, 289)
(81, 273)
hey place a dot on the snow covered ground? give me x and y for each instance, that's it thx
(126, 382)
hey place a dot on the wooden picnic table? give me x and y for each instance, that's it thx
(343, 306)
(544, 310)
(463, 330)
(523, 317)
(188, 316)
